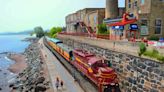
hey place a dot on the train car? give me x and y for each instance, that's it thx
(65, 51)
(53, 42)
(95, 68)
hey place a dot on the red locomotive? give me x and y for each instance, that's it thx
(93, 67)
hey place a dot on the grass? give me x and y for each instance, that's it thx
(154, 54)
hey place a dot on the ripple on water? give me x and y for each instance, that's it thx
(5, 62)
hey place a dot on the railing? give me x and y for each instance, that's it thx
(76, 34)
(105, 36)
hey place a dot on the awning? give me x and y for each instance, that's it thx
(123, 22)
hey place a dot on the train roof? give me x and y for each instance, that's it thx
(90, 58)
(65, 47)
(55, 40)
(48, 38)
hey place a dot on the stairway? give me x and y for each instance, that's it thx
(87, 28)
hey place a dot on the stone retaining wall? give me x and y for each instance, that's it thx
(136, 74)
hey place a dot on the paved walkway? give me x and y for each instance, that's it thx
(56, 69)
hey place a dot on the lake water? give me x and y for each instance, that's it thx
(11, 43)
(14, 44)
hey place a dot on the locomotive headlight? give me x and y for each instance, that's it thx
(105, 86)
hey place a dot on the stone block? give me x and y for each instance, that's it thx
(139, 70)
(151, 75)
(139, 90)
(140, 86)
(152, 64)
(157, 71)
(134, 88)
(142, 81)
(153, 81)
(145, 73)
(162, 73)
(129, 67)
(153, 85)
(149, 69)
(153, 90)
(145, 90)
(147, 84)
(159, 83)
(141, 65)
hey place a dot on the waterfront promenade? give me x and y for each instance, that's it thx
(56, 69)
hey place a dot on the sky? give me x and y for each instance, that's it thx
(21, 15)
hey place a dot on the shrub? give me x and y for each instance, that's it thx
(160, 58)
(155, 38)
(154, 54)
(142, 48)
(102, 29)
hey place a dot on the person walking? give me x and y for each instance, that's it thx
(61, 84)
(57, 83)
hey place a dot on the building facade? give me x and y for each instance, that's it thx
(83, 19)
(150, 15)
(114, 14)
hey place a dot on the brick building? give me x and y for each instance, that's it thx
(150, 15)
(85, 20)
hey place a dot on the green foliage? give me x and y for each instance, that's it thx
(39, 32)
(54, 36)
(102, 29)
(153, 37)
(160, 58)
(154, 54)
(53, 32)
(151, 53)
(142, 48)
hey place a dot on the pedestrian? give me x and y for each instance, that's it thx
(61, 84)
(57, 83)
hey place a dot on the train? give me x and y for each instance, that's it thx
(95, 68)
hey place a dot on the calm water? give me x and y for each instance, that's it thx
(11, 43)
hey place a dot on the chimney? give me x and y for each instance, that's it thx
(111, 10)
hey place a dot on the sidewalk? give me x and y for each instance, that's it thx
(56, 69)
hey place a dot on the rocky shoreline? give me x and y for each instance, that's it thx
(34, 76)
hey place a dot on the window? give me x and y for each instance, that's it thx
(129, 3)
(135, 4)
(144, 22)
(158, 26)
(95, 20)
(142, 1)
(144, 27)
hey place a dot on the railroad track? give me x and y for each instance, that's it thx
(83, 81)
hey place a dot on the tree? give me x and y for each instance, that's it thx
(102, 29)
(39, 32)
(142, 48)
(53, 32)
